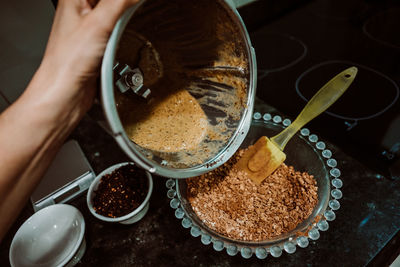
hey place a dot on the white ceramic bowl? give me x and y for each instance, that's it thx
(53, 236)
(129, 218)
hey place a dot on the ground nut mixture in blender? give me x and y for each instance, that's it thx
(230, 203)
(176, 123)
(198, 72)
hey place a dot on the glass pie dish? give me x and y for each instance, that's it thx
(306, 153)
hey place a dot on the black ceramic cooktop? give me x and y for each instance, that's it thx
(299, 51)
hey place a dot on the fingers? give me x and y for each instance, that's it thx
(66, 20)
(86, 7)
(107, 12)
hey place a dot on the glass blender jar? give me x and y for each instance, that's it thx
(160, 48)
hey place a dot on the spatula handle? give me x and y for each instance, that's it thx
(321, 101)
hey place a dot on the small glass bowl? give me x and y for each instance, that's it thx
(306, 153)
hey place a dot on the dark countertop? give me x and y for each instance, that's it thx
(366, 224)
(368, 218)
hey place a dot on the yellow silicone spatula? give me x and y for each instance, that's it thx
(265, 156)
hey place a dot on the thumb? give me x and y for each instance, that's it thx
(107, 12)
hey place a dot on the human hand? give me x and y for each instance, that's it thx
(61, 91)
(71, 64)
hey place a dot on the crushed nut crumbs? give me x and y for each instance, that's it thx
(229, 202)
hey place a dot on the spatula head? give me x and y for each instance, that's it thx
(261, 160)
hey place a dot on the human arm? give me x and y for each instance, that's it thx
(34, 127)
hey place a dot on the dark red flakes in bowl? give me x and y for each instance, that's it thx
(120, 192)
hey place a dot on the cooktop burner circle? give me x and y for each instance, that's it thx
(380, 27)
(278, 51)
(371, 94)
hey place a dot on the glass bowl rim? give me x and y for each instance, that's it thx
(275, 245)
